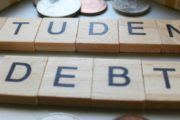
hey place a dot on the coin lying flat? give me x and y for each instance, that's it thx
(130, 117)
(93, 6)
(131, 7)
(58, 8)
(61, 116)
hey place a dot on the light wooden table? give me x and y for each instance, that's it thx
(16, 112)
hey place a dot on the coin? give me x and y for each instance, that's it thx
(61, 116)
(93, 6)
(130, 117)
(35, 2)
(131, 7)
(58, 8)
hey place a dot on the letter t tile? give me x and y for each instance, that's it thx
(19, 34)
(162, 81)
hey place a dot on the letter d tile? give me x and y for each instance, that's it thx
(97, 36)
(20, 78)
(118, 83)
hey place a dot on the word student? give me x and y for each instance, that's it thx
(90, 35)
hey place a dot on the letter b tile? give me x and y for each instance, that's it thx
(67, 81)
(118, 83)
(162, 84)
(20, 78)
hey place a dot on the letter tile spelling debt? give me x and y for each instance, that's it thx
(20, 78)
(111, 83)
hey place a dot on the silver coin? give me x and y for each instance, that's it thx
(131, 7)
(35, 2)
(61, 116)
(58, 8)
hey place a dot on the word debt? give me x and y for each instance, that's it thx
(90, 35)
(112, 83)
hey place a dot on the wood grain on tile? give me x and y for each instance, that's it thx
(2, 21)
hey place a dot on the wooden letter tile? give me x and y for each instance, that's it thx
(138, 35)
(170, 35)
(2, 21)
(67, 81)
(118, 83)
(97, 36)
(20, 78)
(19, 34)
(162, 84)
(57, 34)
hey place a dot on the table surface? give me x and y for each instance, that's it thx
(16, 112)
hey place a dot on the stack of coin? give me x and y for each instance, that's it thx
(64, 8)
(131, 7)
